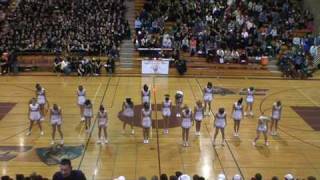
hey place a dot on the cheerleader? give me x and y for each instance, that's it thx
(146, 122)
(220, 122)
(198, 116)
(186, 124)
(276, 115)
(179, 102)
(56, 121)
(166, 112)
(207, 97)
(88, 113)
(102, 117)
(145, 94)
(128, 112)
(237, 114)
(249, 100)
(262, 128)
(41, 99)
(34, 115)
(81, 93)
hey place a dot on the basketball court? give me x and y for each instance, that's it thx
(295, 150)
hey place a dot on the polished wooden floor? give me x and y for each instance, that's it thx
(295, 150)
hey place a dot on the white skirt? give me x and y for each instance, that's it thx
(262, 128)
(81, 100)
(220, 124)
(56, 121)
(35, 116)
(166, 112)
(276, 115)
(207, 97)
(198, 116)
(145, 99)
(128, 113)
(237, 115)
(41, 100)
(249, 99)
(186, 123)
(146, 122)
(87, 113)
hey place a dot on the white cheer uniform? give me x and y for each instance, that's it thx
(81, 97)
(102, 119)
(146, 118)
(208, 94)
(250, 94)
(237, 113)
(128, 110)
(276, 113)
(198, 116)
(166, 109)
(220, 121)
(145, 96)
(186, 119)
(87, 112)
(41, 98)
(56, 117)
(34, 112)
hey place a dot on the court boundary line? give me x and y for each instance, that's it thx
(231, 152)
(157, 123)
(92, 128)
(208, 131)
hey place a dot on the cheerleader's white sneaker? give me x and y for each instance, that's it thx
(28, 133)
(106, 141)
(132, 131)
(52, 142)
(99, 141)
(267, 143)
(82, 119)
(61, 142)
(253, 143)
(41, 133)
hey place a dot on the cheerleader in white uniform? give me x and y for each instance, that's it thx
(81, 94)
(237, 113)
(186, 124)
(179, 102)
(198, 116)
(262, 128)
(128, 112)
(145, 94)
(275, 118)
(41, 99)
(88, 113)
(249, 100)
(102, 117)
(220, 122)
(146, 122)
(166, 113)
(208, 97)
(34, 115)
(56, 121)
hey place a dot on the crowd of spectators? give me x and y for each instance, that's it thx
(238, 31)
(82, 66)
(180, 176)
(96, 26)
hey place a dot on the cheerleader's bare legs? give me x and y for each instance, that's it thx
(185, 136)
(104, 129)
(216, 134)
(54, 129)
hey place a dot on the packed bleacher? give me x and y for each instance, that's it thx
(91, 27)
(232, 31)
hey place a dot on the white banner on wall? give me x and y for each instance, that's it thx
(155, 66)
